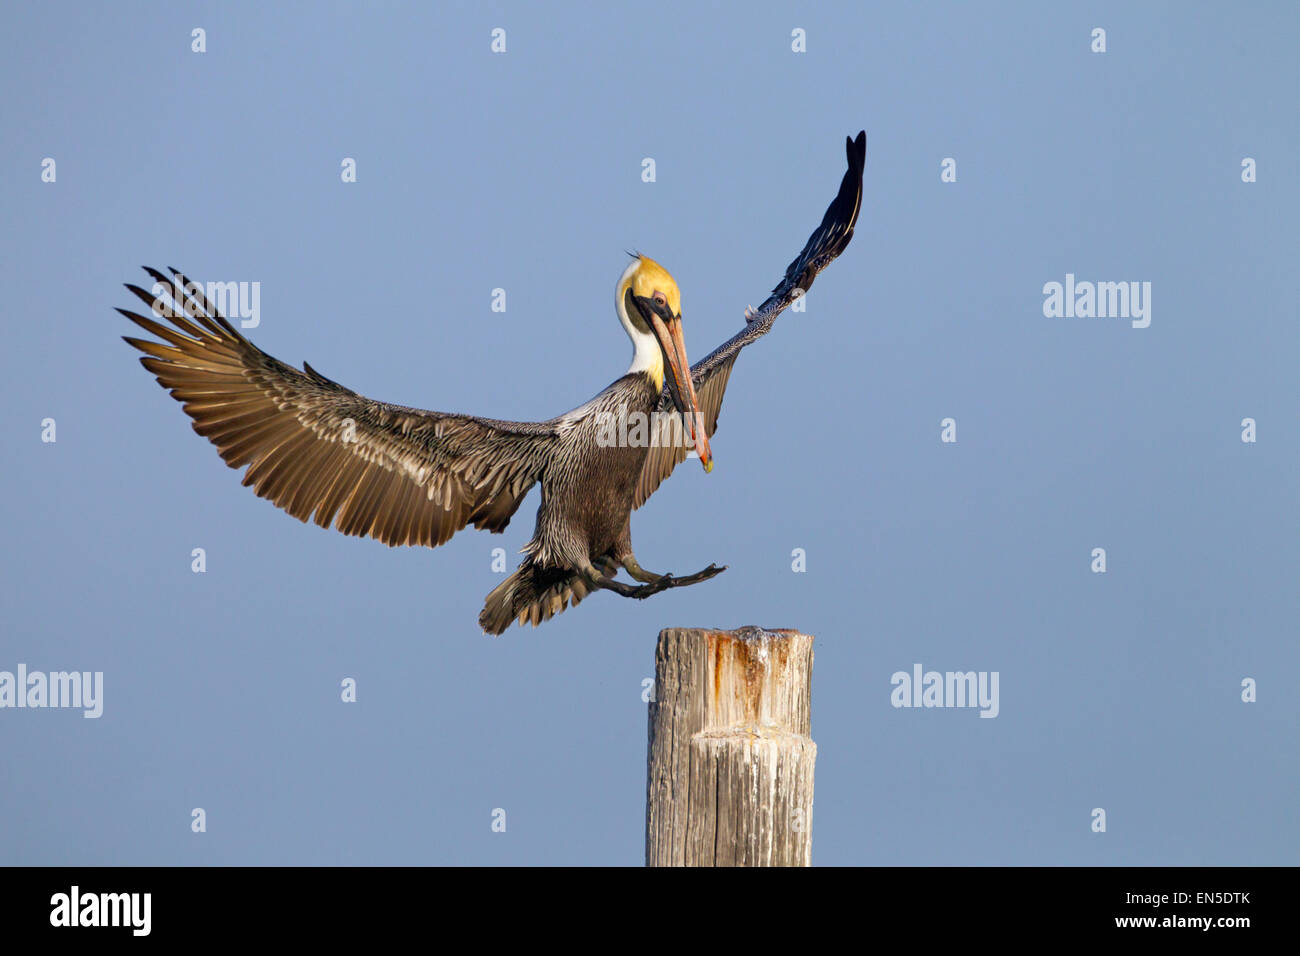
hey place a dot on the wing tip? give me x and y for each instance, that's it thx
(856, 149)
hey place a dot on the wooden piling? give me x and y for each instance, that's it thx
(730, 776)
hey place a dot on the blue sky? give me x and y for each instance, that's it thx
(522, 171)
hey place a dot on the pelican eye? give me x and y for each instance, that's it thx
(660, 300)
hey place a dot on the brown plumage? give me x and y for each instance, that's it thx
(407, 476)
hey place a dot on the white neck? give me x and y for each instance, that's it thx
(646, 356)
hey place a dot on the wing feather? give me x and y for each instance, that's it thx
(711, 373)
(319, 450)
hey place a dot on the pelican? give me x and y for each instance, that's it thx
(406, 476)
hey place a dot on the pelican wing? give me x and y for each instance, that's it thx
(711, 373)
(313, 447)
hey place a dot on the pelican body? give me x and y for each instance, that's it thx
(407, 476)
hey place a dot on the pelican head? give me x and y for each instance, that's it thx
(649, 305)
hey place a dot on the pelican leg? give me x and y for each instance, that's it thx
(654, 582)
(638, 572)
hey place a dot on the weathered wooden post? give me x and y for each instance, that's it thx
(730, 778)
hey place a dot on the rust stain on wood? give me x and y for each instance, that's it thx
(752, 653)
(718, 638)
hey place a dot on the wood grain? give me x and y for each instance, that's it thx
(730, 775)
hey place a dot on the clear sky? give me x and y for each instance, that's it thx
(523, 171)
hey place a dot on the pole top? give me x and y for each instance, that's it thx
(757, 680)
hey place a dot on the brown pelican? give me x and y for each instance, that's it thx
(412, 477)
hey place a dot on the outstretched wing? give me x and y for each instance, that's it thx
(711, 373)
(313, 447)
